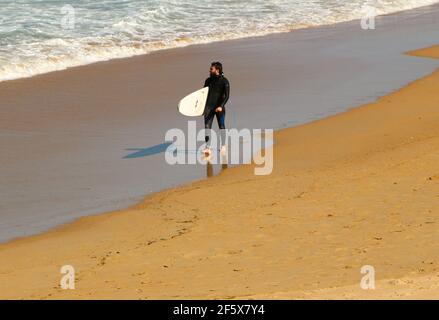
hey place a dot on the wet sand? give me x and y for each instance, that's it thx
(65, 135)
(359, 188)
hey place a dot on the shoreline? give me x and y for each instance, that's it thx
(67, 132)
(335, 205)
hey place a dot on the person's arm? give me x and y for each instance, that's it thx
(206, 83)
(226, 93)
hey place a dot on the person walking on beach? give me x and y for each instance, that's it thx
(219, 91)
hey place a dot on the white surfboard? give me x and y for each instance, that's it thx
(193, 104)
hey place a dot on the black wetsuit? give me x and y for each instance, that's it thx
(219, 90)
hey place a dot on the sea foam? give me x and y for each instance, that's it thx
(43, 36)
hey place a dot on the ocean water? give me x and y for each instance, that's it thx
(39, 36)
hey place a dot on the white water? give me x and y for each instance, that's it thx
(39, 36)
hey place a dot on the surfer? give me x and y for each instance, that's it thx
(219, 90)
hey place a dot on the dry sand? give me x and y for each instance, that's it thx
(359, 188)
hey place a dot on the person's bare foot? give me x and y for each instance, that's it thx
(223, 150)
(207, 152)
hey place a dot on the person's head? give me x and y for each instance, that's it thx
(216, 68)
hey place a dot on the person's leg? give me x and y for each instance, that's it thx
(208, 120)
(221, 118)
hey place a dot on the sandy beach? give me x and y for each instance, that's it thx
(67, 134)
(358, 188)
